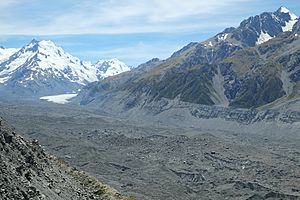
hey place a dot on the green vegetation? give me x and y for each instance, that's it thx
(90, 183)
(259, 92)
(190, 86)
(242, 61)
(101, 191)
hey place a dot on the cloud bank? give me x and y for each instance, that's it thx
(38, 17)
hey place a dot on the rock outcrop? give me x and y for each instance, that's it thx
(27, 172)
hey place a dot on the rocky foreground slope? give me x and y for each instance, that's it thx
(27, 172)
(207, 159)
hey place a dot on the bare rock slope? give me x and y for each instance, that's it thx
(27, 172)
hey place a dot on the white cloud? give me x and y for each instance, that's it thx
(114, 16)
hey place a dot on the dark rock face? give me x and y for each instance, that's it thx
(23, 163)
(203, 55)
(271, 23)
(232, 84)
(296, 27)
(291, 62)
(248, 33)
(257, 92)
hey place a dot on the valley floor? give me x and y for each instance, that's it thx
(154, 160)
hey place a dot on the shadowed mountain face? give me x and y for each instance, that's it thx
(249, 66)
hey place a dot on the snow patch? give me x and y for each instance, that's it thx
(284, 10)
(223, 36)
(59, 99)
(289, 25)
(263, 37)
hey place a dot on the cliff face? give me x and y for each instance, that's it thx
(27, 172)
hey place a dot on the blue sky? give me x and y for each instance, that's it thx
(133, 31)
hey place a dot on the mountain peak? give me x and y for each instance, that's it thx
(41, 43)
(284, 9)
(34, 41)
(115, 60)
(261, 28)
(111, 67)
(47, 42)
(112, 60)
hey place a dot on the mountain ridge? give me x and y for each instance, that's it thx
(229, 72)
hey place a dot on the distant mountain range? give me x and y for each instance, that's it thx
(41, 68)
(256, 64)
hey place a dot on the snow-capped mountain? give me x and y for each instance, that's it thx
(112, 67)
(239, 67)
(256, 29)
(41, 67)
(44, 60)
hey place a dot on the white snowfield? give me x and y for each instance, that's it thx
(264, 37)
(59, 99)
(5, 53)
(294, 18)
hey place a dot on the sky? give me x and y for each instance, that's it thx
(130, 30)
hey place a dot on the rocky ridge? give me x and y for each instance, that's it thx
(229, 73)
(27, 172)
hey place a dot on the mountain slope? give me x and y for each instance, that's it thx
(5, 53)
(27, 172)
(41, 67)
(229, 70)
